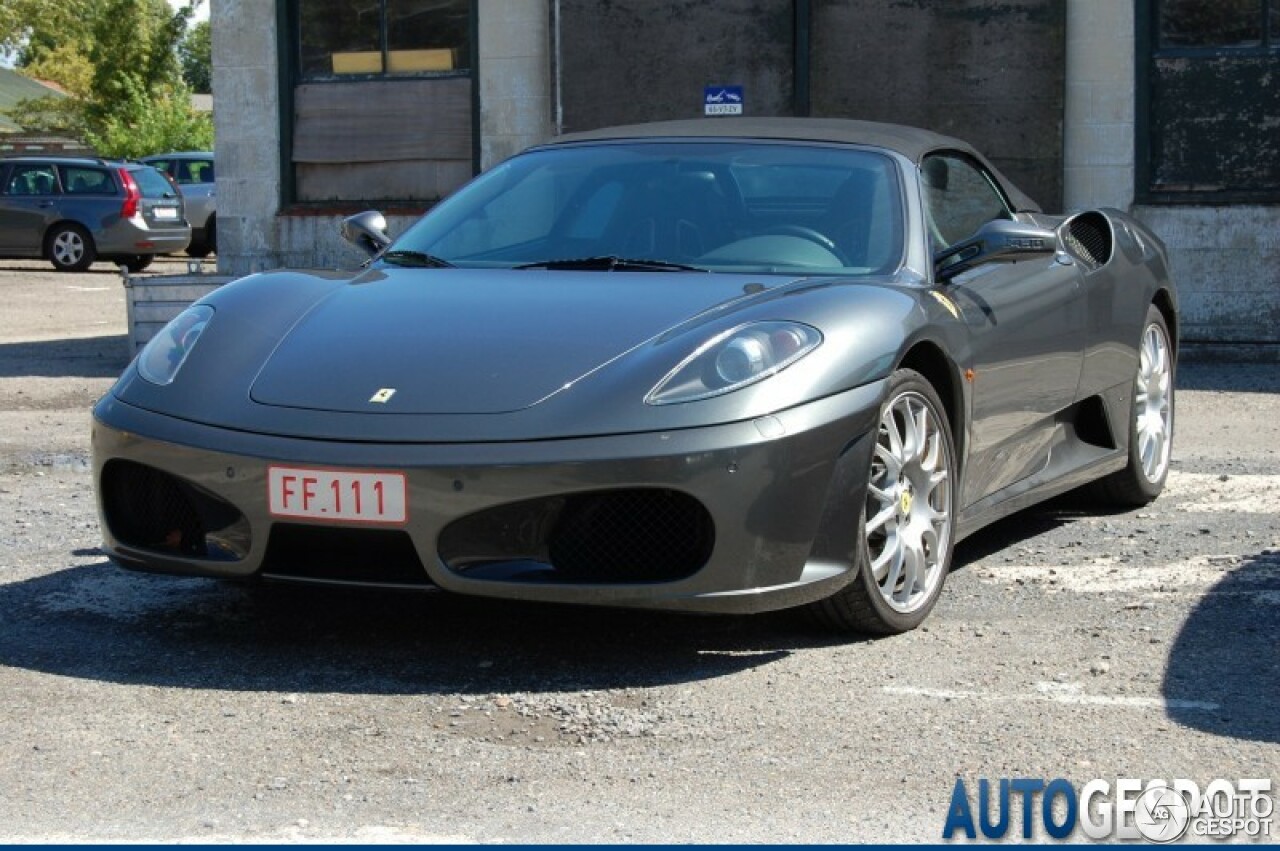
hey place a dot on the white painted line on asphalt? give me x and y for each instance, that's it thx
(1249, 493)
(88, 289)
(1066, 693)
(1198, 575)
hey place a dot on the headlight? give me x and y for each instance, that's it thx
(735, 359)
(164, 355)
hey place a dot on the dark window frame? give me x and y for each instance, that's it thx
(1147, 50)
(295, 36)
(289, 61)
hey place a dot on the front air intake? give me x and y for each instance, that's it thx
(149, 509)
(600, 537)
(631, 536)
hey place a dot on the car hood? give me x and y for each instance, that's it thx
(413, 341)
(479, 356)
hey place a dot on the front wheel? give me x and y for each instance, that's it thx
(1151, 422)
(70, 248)
(908, 518)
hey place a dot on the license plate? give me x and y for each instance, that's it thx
(340, 496)
(170, 213)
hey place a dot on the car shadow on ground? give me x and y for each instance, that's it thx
(86, 357)
(1224, 656)
(1023, 526)
(99, 622)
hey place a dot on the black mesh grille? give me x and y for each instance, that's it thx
(149, 509)
(324, 553)
(631, 536)
(639, 535)
(1089, 236)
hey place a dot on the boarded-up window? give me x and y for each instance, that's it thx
(382, 106)
(1210, 73)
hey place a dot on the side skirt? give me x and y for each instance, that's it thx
(1084, 448)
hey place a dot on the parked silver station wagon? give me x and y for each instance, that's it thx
(73, 211)
(193, 172)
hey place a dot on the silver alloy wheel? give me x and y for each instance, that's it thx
(908, 523)
(68, 248)
(1153, 403)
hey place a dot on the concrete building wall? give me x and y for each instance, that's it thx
(987, 71)
(1226, 261)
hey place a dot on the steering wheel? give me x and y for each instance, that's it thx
(813, 236)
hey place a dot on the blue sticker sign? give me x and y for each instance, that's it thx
(722, 100)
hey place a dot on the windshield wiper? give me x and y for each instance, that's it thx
(611, 263)
(416, 259)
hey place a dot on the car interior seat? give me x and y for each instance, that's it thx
(680, 216)
(861, 219)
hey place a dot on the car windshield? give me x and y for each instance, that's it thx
(719, 206)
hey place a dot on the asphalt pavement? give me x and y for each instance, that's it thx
(1069, 642)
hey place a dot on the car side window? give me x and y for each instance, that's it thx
(87, 181)
(189, 171)
(195, 171)
(959, 198)
(32, 180)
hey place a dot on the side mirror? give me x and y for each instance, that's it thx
(367, 230)
(999, 239)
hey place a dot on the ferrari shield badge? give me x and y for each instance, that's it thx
(383, 396)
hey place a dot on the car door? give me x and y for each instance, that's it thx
(195, 179)
(1026, 325)
(28, 205)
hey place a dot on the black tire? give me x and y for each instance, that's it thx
(862, 605)
(1138, 484)
(138, 262)
(198, 249)
(211, 235)
(69, 248)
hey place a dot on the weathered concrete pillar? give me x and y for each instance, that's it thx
(247, 127)
(1098, 156)
(515, 76)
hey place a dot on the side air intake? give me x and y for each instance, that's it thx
(1088, 236)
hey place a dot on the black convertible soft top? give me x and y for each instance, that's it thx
(912, 142)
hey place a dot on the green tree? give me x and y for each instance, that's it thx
(31, 28)
(67, 64)
(147, 122)
(119, 60)
(196, 54)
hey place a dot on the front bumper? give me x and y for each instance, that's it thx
(782, 494)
